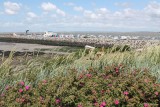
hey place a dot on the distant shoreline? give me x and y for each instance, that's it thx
(80, 42)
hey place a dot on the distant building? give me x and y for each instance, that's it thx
(15, 35)
(50, 34)
(124, 37)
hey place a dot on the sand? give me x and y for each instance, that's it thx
(21, 47)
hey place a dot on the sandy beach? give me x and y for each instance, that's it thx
(21, 49)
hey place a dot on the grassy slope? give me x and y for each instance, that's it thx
(39, 68)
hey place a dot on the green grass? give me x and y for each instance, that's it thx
(39, 68)
(60, 49)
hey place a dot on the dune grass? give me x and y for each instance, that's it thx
(39, 68)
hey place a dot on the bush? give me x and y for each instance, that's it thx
(113, 86)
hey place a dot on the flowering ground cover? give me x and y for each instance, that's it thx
(115, 86)
(115, 79)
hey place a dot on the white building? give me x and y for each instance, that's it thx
(50, 34)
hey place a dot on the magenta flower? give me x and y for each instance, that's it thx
(117, 69)
(146, 105)
(20, 90)
(58, 101)
(89, 75)
(21, 83)
(116, 102)
(103, 104)
(156, 93)
(27, 87)
(125, 93)
(79, 105)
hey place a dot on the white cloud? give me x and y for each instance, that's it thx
(31, 15)
(11, 8)
(95, 19)
(127, 18)
(48, 6)
(78, 8)
(54, 16)
(103, 11)
(153, 9)
(130, 13)
(90, 14)
(52, 7)
(60, 12)
(100, 13)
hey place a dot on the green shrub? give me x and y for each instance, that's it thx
(113, 86)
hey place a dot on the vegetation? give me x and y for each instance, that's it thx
(104, 77)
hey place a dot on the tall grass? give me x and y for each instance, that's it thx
(148, 58)
(39, 68)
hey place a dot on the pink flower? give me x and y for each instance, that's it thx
(156, 93)
(27, 87)
(94, 92)
(95, 104)
(117, 69)
(80, 76)
(21, 83)
(58, 101)
(125, 93)
(146, 80)
(22, 100)
(103, 104)
(89, 75)
(44, 81)
(103, 91)
(146, 105)
(109, 85)
(18, 100)
(20, 90)
(79, 105)
(2, 95)
(7, 87)
(116, 102)
(41, 98)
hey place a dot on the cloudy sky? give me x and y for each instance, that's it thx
(79, 15)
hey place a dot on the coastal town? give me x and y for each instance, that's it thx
(136, 40)
(102, 35)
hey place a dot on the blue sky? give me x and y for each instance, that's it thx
(79, 15)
